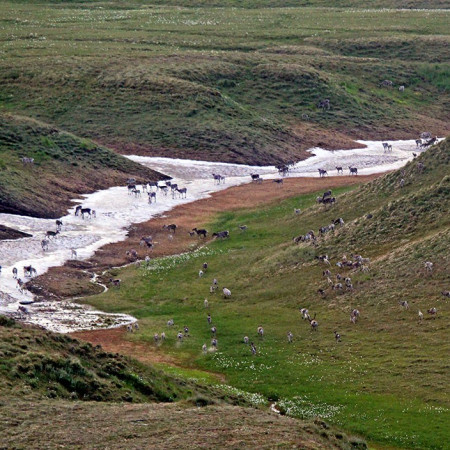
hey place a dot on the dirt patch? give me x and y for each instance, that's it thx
(9, 233)
(312, 135)
(114, 340)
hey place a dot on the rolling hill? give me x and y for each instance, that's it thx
(194, 80)
(64, 167)
(386, 377)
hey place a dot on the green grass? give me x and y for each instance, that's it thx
(225, 83)
(387, 379)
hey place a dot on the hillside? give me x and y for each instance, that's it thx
(386, 377)
(227, 84)
(60, 391)
(64, 167)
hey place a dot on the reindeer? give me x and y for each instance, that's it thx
(170, 228)
(314, 323)
(115, 282)
(44, 244)
(386, 83)
(354, 316)
(200, 232)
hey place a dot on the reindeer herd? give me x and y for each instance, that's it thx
(163, 188)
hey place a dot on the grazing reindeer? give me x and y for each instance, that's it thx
(204, 348)
(170, 228)
(353, 170)
(324, 104)
(115, 282)
(29, 271)
(322, 172)
(337, 336)
(221, 234)
(50, 234)
(146, 240)
(205, 303)
(86, 211)
(279, 181)
(404, 304)
(260, 331)
(20, 285)
(44, 244)
(182, 192)
(386, 83)
(420, 315)
(401, 88)
(290, 336)
(25, 160)
(226, 293)
(314, 324)
(246, 340)
(255, 176)
(432, 312)
(354, 316)
(429, 266)
(305, 313)
(200, 232)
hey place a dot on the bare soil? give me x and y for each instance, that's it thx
(9, 233)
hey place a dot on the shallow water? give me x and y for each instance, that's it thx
(116, 210)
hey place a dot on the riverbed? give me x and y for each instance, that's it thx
(116, 210)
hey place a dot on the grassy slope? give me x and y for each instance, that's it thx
(84, 389)
(224, 83)
(427, 4)
(387, 378)
(65, 166)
